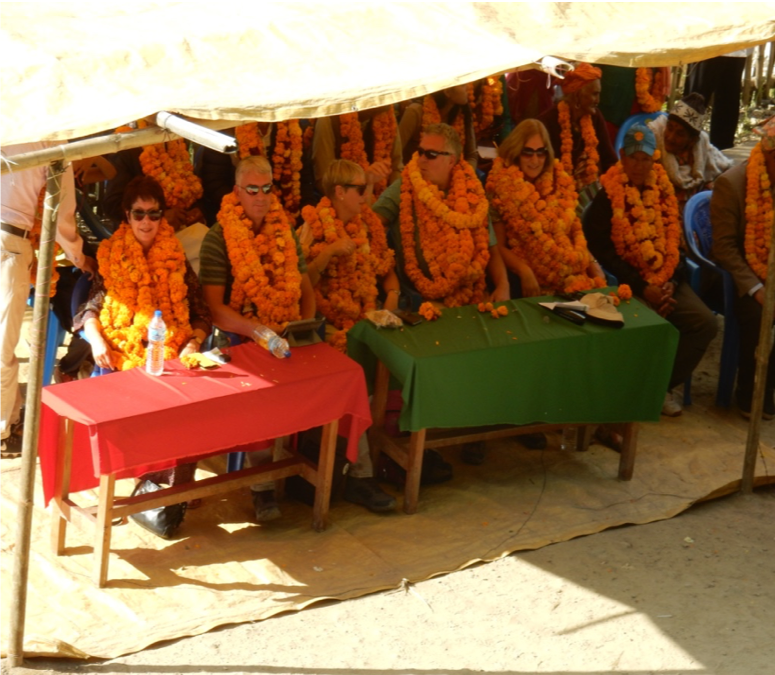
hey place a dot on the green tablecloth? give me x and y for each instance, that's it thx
(468, 369)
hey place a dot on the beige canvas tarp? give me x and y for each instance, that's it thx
(75, 69)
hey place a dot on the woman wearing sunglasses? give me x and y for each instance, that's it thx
(142, 268)
(533, 207)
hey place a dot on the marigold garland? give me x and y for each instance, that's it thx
(624, 292)
(429, 311)
(489, 104)
(542, 226)
(758, 213)
(348, 286)
(35, 233)
(385, 128)
(588, 170)
(138, 284)
(645, 226)
(265, 265)
(286, 165)
(431, 115)
(170, 164)
(649, 89)
(452, 232)
(250, 140)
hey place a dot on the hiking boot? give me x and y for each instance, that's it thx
(265, 506)
(473, 453)
(12, 446)
(367, 492)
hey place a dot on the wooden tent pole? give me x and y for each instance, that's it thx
(760, 379)
(31, 423)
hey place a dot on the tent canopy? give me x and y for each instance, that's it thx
(76, 69)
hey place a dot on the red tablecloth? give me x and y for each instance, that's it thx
(129, 423)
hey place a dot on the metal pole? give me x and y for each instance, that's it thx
(760, 378)
(31, 425)
(197, 133)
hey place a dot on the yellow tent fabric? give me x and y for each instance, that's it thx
(76, 69)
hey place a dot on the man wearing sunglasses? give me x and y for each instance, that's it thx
(253, 192)
(20, 190)
(438, 153)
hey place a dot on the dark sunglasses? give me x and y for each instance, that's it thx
(529, 152)
(431, 154)
(255, 189)
(139, 214)
(361, 188)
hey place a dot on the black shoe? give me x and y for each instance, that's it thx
(434, 469)
(366, 492)
(533, 441)
(744, 405)
(265, 506)
(12, 446)
(473, 453)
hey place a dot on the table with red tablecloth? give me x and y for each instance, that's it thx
(129, 423)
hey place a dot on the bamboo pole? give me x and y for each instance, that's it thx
(760, 74)
(747, 81)
(31, 423)
(768, 84)
(101, 145)
(760, 378)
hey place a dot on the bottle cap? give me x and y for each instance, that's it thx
(157, 313)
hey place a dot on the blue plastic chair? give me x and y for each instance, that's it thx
(55, 336)
(699, 238)
(640, 118)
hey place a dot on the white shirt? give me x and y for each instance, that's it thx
(19, 192)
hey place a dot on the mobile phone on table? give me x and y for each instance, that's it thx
(409, 318)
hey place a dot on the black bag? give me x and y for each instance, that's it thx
(163, 521)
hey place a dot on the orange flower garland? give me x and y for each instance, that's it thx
(490, 103)
(542, 226)
(758, 213)
(429, 311)
(348, 287)
(265, 265)
(624, 292)
(286, 165)
(645, 228)
(452, 232)
(588, 172)
(431, 115)
(309, 132)
(353, 148)
(35, 243)
(250, 141)
(136, 285)
(170, 164)
(650, 98)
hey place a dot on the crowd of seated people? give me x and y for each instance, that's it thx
(397, 203)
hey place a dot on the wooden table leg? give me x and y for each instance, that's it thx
(104, 525)
(325, 476)
(414, 471)
(629, 447)
(62, 485)
(584, 436)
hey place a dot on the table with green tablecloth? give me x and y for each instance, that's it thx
(531, 367)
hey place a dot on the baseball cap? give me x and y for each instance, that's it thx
(639, 138)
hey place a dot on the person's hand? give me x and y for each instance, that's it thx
(101, 352)
(530, 287)
(501, 294)
(342, 246)
(88, 266)
(595, 270)
(759, 296)
(377, 172)
(660, 298)
(192, 346)
(391, 301)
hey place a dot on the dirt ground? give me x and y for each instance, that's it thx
(692, 594)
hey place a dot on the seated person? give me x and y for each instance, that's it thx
(533, 207)
(116, 315)
(741, 213)
(449, 106)
(436, 214)
(253, 274)
(691, 162)
(619, 230)
(370, 138)
(577, 129)
(348, 256)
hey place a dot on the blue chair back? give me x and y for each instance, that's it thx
(697, 228)
(640, 118)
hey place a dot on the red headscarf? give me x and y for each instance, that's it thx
(577, 78)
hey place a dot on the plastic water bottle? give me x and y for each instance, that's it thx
(271, 341)
(154, 363)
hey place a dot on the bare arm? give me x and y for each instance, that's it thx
(308, 304)
(225, 317)
(496, 270)
(512, 261)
